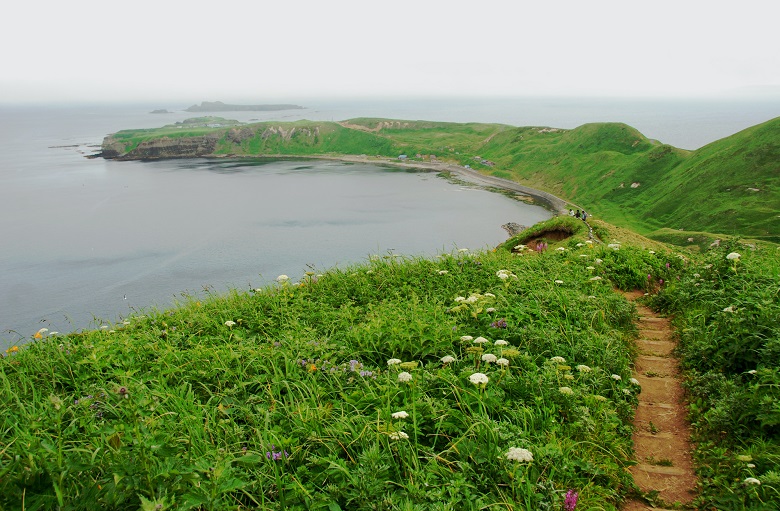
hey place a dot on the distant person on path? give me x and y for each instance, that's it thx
(571, 212)
(577, 214)
(584, 216)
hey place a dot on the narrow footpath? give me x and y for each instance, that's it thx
(664, 468)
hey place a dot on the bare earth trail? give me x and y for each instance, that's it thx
(661, 432)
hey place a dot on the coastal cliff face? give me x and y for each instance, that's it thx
(165, 147)
(243, 141)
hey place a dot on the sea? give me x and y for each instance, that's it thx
(86, 242)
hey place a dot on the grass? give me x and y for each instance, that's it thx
(289, 397)
(466, 381)
(726, 310)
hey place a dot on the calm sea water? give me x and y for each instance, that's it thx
(86, 241)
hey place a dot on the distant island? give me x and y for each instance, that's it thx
(219, 106)
(160, 111)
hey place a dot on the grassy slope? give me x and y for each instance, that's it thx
(181, 410)
(593, 165)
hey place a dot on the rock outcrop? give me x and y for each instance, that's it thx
(164, 147)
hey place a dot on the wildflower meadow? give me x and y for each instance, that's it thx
(470, 380)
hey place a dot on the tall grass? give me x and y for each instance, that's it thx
(290, 397)
(727, 310)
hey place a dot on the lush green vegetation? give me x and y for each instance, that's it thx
(725, 188)
(337, 391)
(727, 312)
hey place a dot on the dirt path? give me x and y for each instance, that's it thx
(661, 432)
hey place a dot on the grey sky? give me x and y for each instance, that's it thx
(278, 50)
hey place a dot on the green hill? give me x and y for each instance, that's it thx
(731, 186)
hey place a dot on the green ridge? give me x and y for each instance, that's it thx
(731, 186)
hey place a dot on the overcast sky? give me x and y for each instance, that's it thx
(259, 50)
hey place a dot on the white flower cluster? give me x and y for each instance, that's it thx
(398, 435)
(479, 379)
(558, 360)
(400, 415)
(583, 368)
(489, 358)
(505, 274)
(447, 359)
(519, 454)
(404, 377)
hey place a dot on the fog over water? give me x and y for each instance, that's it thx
(88, 240)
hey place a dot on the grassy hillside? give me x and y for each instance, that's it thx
(731, 186)
(496, 380)
(468, 381)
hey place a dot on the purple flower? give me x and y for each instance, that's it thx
(667, 266)
(275, 455)
(570, 502)
(354, 365)
(501, 323)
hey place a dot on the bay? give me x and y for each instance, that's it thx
(87, 241)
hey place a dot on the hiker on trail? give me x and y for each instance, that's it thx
(577, 214)
(584, 216)
(571, 212)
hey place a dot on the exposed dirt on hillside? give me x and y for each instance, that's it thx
(661, 431)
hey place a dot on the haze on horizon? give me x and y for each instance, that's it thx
(190, 51)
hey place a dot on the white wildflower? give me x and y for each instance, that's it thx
(490, 309)
(230, 323)
(616, 377)
(463, 250)
(489, 295)
(595, 278)
(502, 362)
(480, 340)
(732, 256)
(580, 244)
(559, 282)
(598, 261)
(565, 391)
(479, 379)
(626, 392)
(519, 454)
(583, 368)
(590, 268)
(558, 360)
(500, 342)
(466, 338)
(589, 242)
(730, 308)
(489, 358)
(460, 299)
(400, 415)
(752, 371)
(398, 435)
(282, 279)
(447, 359)
(634, 381)
(472, 299)
(751, 480)
(443, 272)
(394, 361)
(561, 249)
(404, 377)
